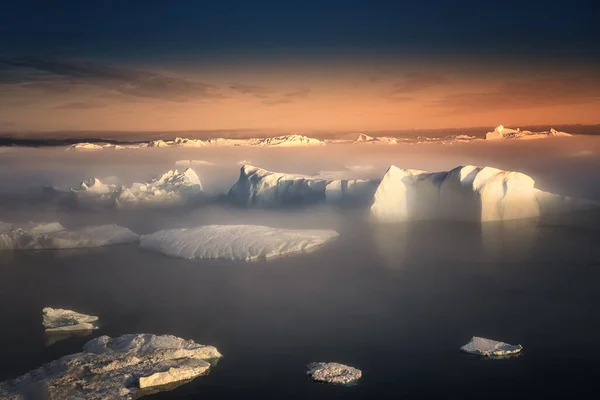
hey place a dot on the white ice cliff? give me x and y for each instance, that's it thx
(234, 242)
(262, 188)
(500, 133)
(466, 193)
(490, 348)
(126, 367)
(55, 236)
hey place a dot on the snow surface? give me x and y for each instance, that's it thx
(262, 188)
(332, 372)
(171, 188)
(119, 368)
(490, 348)
(465, 193)
(234, 242)
(500, 133)
(57, 320)
(55, 236)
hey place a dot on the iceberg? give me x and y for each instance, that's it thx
(362, 138)
(261, 188)
(500, 133)
(170, 188)
(465, 193)
(55, 236)
(234, 242)
(57, 320)
(126, 367)
(332, 372)
(85, 146)
(490, 348)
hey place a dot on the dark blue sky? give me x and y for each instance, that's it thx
(147, 30)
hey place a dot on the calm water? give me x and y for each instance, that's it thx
(395, 301)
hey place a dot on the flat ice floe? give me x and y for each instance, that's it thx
(465, 193)
(126, 367)
(168, 189)
(235, 242)
(490, 348)
(261, 188)
(332, 372)
(58, 320)
(55, 236)
(501, 133)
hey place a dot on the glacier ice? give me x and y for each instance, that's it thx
(332, 372)
(55, 236)
(490, 348)
(126, 367)
(234, 242)
(171, 188)
(58, 319)
(500, 133)
(465, 193)
(262, 188)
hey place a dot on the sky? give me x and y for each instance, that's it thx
(296, 66)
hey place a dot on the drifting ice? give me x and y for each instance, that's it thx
(55, 236)
(234, 242)
(57, 319)
(119, 368)
(333, 373)
(490, 348)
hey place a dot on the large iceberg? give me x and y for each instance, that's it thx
(127, 367)
(332, 372)
(500, 133)
(465, 193)
(362, 138)
(55, 236)
(235, 242)
(262, 188)
(170, 188)
(490, 348)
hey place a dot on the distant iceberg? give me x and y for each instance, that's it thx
(500, 133)
(362, 138)
(465, 193)
(55, 236)
(234, 242)
(125, 367)
(168, 189)
(261, 188)
(490, 348)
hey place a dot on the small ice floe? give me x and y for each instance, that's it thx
(59, 320)
(126, 367)
(332, 372)
(490, 348)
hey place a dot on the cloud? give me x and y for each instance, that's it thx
(289, 97)
(257, 91)
(64, 76)
(527, 94)
(78, 105)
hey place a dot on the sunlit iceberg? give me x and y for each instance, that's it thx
(465, 193)
(500, 133)
(57, 320)
(490, 348)
(362, 138)
(262, 188)
(55, 236)
(332, 372)
(126, 367)
(170, 188)
(235, 242)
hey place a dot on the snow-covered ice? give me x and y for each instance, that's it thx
(262, 188)
(332, 372)
(490, 348)
(500, 133)
(126, 367)
(168, 189)
(235, 242)
(55, 236)
(57, 319)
